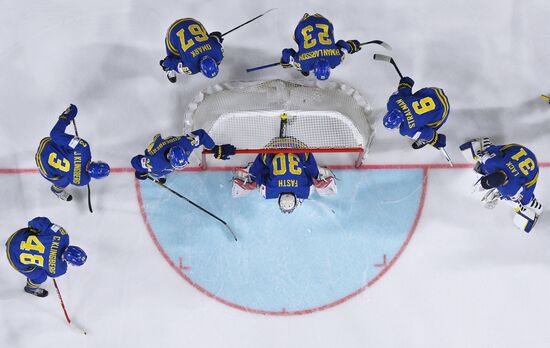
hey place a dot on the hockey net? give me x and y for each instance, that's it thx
(328, 118)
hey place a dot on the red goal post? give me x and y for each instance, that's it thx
(323, 118)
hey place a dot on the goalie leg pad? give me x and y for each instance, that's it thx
(241, 188)
(525, 219)
(326, 187)
(473, 149)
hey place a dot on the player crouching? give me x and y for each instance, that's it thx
(42, 250)
(164, 155)
(289, 177)
(508, 172)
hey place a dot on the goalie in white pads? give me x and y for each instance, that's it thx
(508, 172)
(289, 177)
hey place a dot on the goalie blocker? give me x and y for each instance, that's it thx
(509, 173)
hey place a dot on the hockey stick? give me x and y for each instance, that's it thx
(282, 129)
(263, 67)
(447, 157)
(545, 98)
(378, 42)
(65, 310)
(195, 205)
(389, 60)
(245, 23)
(87, 185)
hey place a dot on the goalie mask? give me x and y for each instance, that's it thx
(287, 202)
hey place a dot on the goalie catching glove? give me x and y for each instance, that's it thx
(224, 151)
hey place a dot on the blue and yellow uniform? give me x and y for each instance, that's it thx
(187, 42)
(521, 169)
(36, 251)
(284, 172)
(155, 161)
(424, 111)
(314, 35)
(63, 158)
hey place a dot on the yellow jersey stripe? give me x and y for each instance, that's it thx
(445, 103)
(38, 159)
(506, 147)
(532, 182)
(171, 47)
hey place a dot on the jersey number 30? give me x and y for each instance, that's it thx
(280, 164)
(32, 243)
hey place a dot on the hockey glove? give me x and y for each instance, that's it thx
(287, 57)
(217, 35)
(406, 82)
(224, 151)
(440, 141)
(70, 113)
(322, 183)
(141, 175)
(354, 46)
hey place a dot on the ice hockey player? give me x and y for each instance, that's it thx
(317, 49)
(191, 49)
(40, 251)
(509, 173)
(418, 116)
(163, 156)
(290, 177)
(65, 159)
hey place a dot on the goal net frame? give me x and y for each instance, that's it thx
(305, 102)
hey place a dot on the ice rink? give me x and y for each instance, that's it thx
(403, 256)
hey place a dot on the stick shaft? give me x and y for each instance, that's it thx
(377, 42)
(263, 67)
(87, 185)
(61, 301)
(195, 205)
(245, 23)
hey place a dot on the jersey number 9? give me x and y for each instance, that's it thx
(197, 31)
(423, 105)
(280, 164)
(323, 35)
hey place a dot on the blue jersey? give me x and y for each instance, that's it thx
(187, 39)
(520, 166)
(155, 161)
(37, 249)
(285, 172)
(63, 158)
(425, 111)
(315, 38)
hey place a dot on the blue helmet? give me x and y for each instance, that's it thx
(98, 170)
(393, 119)
(322, 69)
(75, 256)
(209, 67)
(177, 157)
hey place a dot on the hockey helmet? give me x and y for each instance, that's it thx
(287, 202)
(494, 180)
(98, 170)
(209, 67)
(321, 69)
(393, 118)
(75, 255)
(177, 157)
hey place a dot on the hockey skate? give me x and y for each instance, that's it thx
(39, 292)
(420, 143)
(64, 195)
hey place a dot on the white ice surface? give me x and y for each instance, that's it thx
(467, 279)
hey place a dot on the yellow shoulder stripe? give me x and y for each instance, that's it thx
(171, 47)
(532, 182)
(445, 102)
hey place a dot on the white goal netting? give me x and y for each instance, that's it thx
(328, 118)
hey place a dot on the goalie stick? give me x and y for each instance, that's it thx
(377, 42)
(87, 185)
(195, 205)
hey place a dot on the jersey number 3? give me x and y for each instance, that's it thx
(63, 165)
(526, 165)
(32, 243)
